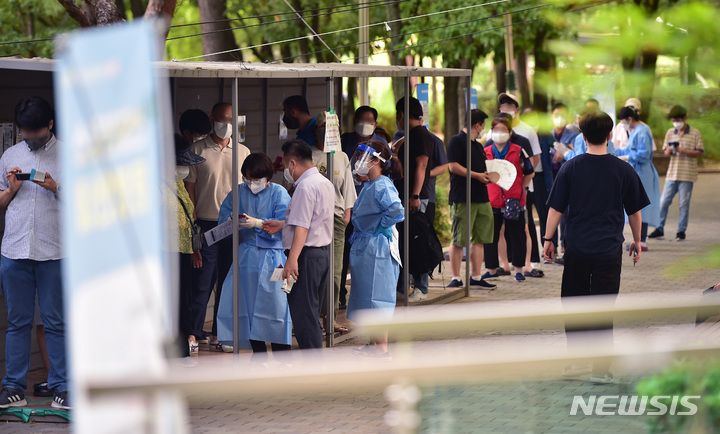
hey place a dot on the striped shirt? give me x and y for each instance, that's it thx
(682, 167)
(32, 220)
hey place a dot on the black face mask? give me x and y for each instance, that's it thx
(291, 123)
(36, 143)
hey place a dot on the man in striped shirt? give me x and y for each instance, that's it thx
(31, 252)
(684, 145)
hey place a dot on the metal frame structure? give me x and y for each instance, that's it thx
(237, 71)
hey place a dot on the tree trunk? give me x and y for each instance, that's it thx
(500, 79)
(647, 88)
(522, 79)
(396, 58)
(105, 11)
(212, 11)
(164, 10)
(544, 64)
(120, 4)
(455, 100)
(76, 13)
(349, 110)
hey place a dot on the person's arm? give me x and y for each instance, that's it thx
(421, 165)
(190, 187)
(459, 170)
(438, 170)
(348, 189)
(298, 242)
(347, 215)
(643, 152)
(526, 179)
(635, 221)
(7, 195)
(553, 220)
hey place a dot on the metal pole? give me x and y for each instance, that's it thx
(235, 229)
(468, 185)
(406, 191)
(330, 293)
(266, 115)
(363, 51)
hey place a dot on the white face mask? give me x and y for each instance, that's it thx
(197, 139)
(678, 125)
(559, 121)
(288, 176)
(258, 185)
(362, 169)
(364, 130)
(500, 138)
(625, 126)
(222, 130)
(182, 172)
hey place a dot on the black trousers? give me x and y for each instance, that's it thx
(534, 252)
(541, 196)
(217, 260)
(590, 275)
(185, 303)
(346, 264)
(515, 233)
(307, 296)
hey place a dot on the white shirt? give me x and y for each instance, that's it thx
(345, 194)
(525, 130)
(32, 220)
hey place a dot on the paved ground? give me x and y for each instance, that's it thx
(523, 406)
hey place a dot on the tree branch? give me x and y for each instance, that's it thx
(76, 13)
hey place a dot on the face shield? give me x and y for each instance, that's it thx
(361, 162)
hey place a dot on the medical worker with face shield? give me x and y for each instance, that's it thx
(264, 313)
(375, 256)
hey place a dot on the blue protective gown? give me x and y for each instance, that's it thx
(640, 154)
(264, 312)
(374, 271)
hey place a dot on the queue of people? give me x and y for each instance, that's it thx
(358, 208)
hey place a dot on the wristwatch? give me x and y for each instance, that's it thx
(415, 196)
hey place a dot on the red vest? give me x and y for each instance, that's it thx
(497, 200)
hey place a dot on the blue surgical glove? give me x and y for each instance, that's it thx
(387, 232)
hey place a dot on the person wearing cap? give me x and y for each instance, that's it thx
(184, 159)
(345, 196)
(639, 154)
(421, 152)
(620, 135)
(684, 145)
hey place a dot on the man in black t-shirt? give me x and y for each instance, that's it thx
(481, 216)
(421, 151)
(596, 189)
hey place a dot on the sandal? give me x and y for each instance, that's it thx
(534, 273)
(341, 329)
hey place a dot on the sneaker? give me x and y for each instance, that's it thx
(487, 275)
(12, 398)
(457, 283)
(194, 347)
(221, 348)
(481, 284)
(42, 389)
(657, 233)
(680, 236)
(559, 261)
(602, 378)
(61, 401)
(644, 248)
(574, 371)
(417, 296)
(370, 352)
(519, 277)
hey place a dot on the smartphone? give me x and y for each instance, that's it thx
(23, 176)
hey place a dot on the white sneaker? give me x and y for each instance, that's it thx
(217, 346)
(417, 296)
(602, 378)
(194, 347)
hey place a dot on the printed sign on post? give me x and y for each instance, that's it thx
(423, 95)
(332, 132)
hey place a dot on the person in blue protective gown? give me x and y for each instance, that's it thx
(639, 154)
(264, 313)
(374, 255)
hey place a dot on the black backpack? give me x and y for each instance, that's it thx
(425, 249)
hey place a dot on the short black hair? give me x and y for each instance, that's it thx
(628, 112)
(297, 149)
(596, 125)
(507, 116)
(508, 100)
(257, 166)
(218, 106)
(364, 109)
(677, 111)
(477, 116)
(181, 143)
(33, 113)
(297, 102)
(196, 121)
(416, 111)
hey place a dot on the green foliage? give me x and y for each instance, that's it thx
(442, 223)
(707, 260)
(700, 377)
(23, 20)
